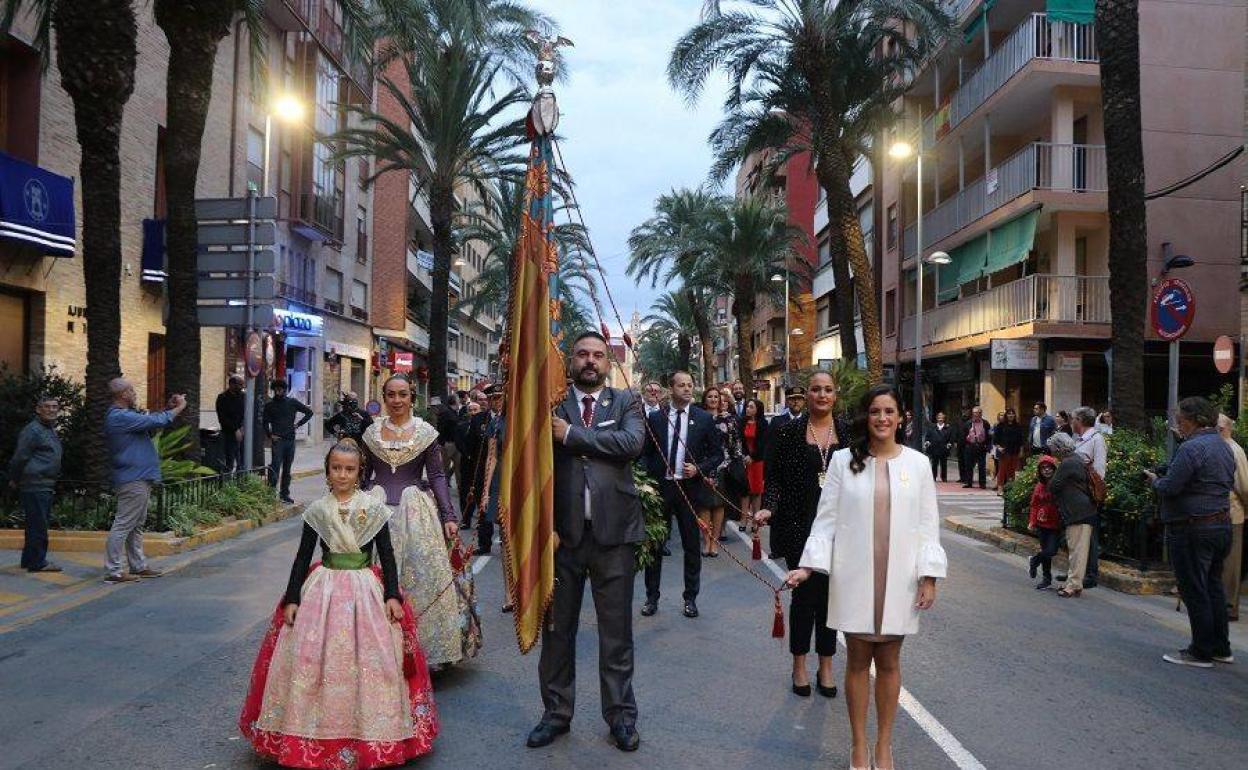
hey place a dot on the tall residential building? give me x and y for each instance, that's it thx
(795, 187)
(827, 326)
(1008, 116)
(319, 335)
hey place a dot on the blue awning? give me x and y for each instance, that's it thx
(36, 207)
(154, 250)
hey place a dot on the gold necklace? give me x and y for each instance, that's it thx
(824, 451)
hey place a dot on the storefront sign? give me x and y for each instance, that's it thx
(1070, 362)
(951, 370)
(403, 361)
(348, 351)
(1016, 354)
(298, 324)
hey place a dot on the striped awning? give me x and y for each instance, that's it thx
(36, 207)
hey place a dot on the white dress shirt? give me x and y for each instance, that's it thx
(676, 472)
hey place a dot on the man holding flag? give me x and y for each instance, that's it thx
(598, 432)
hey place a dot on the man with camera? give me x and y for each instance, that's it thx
(1195, 492)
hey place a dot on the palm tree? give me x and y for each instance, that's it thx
(746, 244)
(657, 356)
(96, 51)
(1118, 38)
(810, 75)
(669, 245)
(454, 132)
(673, 318)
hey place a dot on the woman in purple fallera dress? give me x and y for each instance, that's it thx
(405, 460)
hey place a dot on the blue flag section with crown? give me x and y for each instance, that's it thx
(36, 207)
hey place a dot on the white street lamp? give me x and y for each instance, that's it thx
(287, 109)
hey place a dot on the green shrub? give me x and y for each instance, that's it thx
(1018, 493)
(656, 521)
(1128, 493)
(171, 445)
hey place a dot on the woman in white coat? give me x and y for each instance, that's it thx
(877, 537)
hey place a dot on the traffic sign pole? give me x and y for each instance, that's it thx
(1174, 310)
(249, 399)
(1172, 394)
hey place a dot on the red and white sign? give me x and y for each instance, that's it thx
(1223, 354)
(402, 361)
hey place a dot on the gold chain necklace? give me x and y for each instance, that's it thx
(824, 451)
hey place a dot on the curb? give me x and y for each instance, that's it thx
(155, 544)
(1113, 575)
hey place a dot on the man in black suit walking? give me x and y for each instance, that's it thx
(937, 442)
(794, 405)
(598, 432)
(682, 448)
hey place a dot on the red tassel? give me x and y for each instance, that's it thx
(756, 552)
(606, 330)
(628, 339)
(777, 620)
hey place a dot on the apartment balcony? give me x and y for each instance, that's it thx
(768, 355)
(1038, 305)
(359, 313)
(322, 212)
(334, 306)
(294, 293)
(1040, 167)
(1036, 40)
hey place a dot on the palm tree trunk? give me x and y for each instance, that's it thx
(1118, 38)
(684, 350)
(703, 324)
(846, 246)
(96, 53)
(743, 312)
(442, 212)
(193, 30)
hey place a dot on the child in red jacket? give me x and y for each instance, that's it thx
(1045, 521)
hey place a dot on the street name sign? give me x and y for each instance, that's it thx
(237, 234)
(232, 315)
(209, 209)
(236, 288)
(262, 260)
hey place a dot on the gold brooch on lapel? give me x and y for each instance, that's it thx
(904, 478)
(362, 517)
(606, 402)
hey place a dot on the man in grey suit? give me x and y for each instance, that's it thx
(598, 432)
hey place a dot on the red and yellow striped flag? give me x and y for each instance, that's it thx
(535, 383)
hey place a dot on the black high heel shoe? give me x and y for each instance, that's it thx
(827, 692)
(801, 689)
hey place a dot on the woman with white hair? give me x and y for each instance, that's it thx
(1070, 491)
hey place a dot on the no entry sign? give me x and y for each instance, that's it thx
(1174, 308)
(1223, 354)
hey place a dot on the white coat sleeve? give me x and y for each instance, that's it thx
(931, 556)
(817, 555)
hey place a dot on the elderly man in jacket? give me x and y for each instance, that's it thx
(33, 472)
(1195, 497)
(1069, 487)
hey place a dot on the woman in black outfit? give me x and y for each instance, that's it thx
(797, 457)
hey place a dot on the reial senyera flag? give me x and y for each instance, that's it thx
(535, 382)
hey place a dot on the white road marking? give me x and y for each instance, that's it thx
(939, 734)
(479, 563)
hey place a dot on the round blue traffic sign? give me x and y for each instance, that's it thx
(1174, 308)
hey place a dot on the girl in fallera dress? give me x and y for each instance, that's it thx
(340, 681)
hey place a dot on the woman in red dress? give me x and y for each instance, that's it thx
(754, 442)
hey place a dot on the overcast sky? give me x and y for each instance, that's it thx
(627, 136)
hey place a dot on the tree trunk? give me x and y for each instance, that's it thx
(442, 212)
(684, 351)
(1118, 38)
(846, 246)
(193, 30)
(703, 324)
(96, 53)
(743, 312)
(844, 289)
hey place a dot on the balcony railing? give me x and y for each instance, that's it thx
(296, 293)
(1036, 298)
(359, 313)
(361, 248)
(1038, 166)
(333, 306)
(1036, 38)
(324, 212)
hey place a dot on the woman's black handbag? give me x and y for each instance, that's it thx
(735, 482)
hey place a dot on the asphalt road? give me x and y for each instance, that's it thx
(152, 676)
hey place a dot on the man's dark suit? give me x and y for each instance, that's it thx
(470, 441)
(938, 441)
(602, 548)
(704, 448)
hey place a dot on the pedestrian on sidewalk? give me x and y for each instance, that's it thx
(350, 421)
(341, 679)
(230, 417)
(1008, 439)
(33, 472)
(280, 426)
(937, 443)
(1232, 571)
(959, 432)
(598, 432)
(683, 450)
(136, 470)
(798, 457)
(1045, 521)
(977, 436)
(876, 535)
(1090, 444)
(1070, 491)
(1195, 496)
(754, 449)
(1042, 426)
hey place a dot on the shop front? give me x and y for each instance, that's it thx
(298, 349)
(347, 363)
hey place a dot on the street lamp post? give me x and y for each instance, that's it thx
(900, 151)
(785, 278)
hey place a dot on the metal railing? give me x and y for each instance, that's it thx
(1037, 166)
(296, 293)
(1036, 38)
(1035, 298)
(359, 313)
